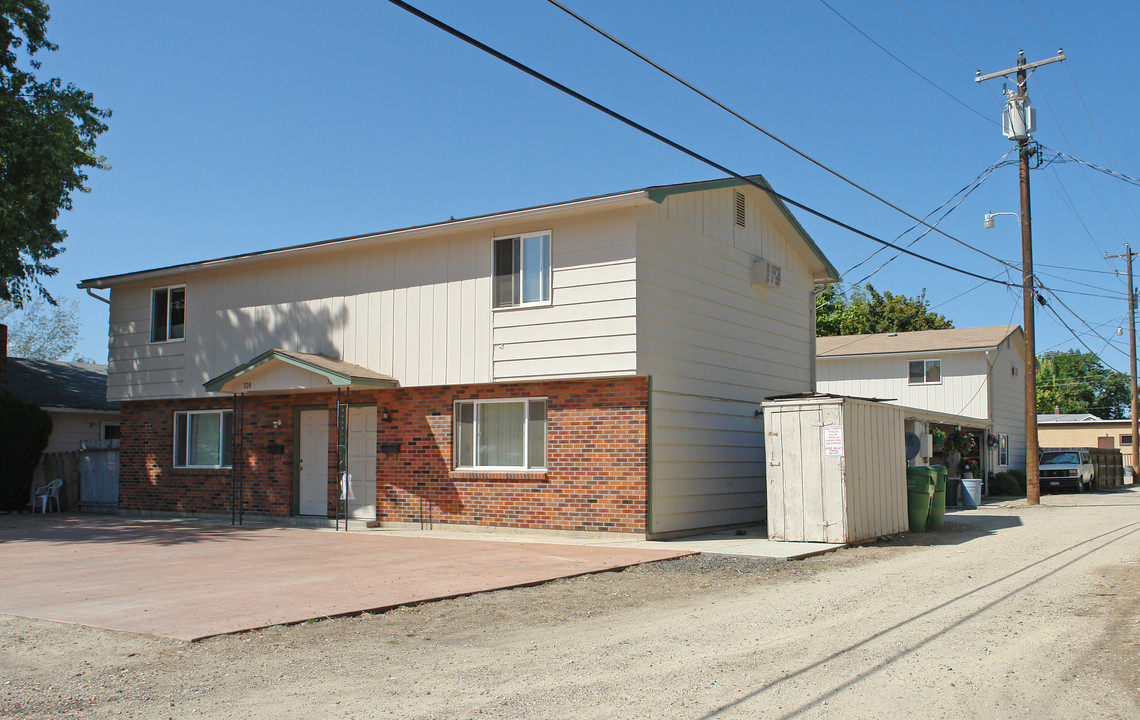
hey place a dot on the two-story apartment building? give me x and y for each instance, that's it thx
(592, 365)
(968, 379)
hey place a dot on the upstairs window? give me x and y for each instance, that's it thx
(925, 372)
(168, 313)
(522, 270)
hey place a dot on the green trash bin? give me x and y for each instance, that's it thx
(937, 518)
(919, 495)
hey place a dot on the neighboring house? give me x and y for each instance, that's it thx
(969, 378)
(1058, 417)
(1085, 430)
(593, 365)
(73, 393)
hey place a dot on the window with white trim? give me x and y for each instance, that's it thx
(500, 434)
(1003, 450)
(925, 372)
(522, 270)
(203, 439)
(167, 313)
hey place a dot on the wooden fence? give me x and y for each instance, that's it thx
(1109, 467)
(90, 476)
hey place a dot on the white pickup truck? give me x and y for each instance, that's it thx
(1065, 468)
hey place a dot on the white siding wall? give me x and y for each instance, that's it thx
(961, 392)
(715, 347)
(589, 328)
(419, 310)
(1009, 399)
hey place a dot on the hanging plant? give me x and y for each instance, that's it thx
(963, 442)
(938, 437)
(991, 441)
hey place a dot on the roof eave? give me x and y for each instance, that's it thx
(630, 198)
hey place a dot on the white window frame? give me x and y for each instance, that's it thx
(1003, 450)
(549, 281)
(925, 369)
(221, 438)
(168, 289)
(525, 402)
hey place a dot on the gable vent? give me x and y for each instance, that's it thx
(739, 209)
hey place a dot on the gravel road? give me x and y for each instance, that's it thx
(1011, 612)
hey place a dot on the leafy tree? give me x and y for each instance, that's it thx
(865, 310)
(47, 142)
(1077, 382)
(40, 330)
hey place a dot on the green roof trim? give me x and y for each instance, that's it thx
(338, 374)
(660, 193)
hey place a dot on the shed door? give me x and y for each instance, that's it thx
(313, 473)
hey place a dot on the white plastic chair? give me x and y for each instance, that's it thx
(44, 494)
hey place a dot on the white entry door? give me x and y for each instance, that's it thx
(362, 461)
(313, 458)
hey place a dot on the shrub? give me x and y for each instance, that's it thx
(1004, 483)
(24, 433)
(1019, 476)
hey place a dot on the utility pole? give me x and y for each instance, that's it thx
(1018, 124)
(1128, 254)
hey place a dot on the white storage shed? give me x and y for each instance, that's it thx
(836, 469)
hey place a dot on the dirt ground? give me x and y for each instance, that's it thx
(1010, 612)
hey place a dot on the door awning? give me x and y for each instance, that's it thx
(289, 371)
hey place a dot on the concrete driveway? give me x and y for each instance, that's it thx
(189, 580)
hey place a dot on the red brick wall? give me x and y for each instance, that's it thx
(595, 477)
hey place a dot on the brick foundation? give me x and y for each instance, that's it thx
(595, 479)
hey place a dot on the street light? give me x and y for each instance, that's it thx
(989, 221)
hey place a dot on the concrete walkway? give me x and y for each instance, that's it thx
(190, 580)
(750, 542)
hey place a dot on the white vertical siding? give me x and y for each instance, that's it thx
(419, 311)
(855, 495)
(1009, 398)
(961, 392)
(716, 347)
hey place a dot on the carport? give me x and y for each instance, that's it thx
(191, 580)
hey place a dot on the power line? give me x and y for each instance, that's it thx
(1107, 171)
(965, 193)
(896, 58)
(973, 65)
(993, 22)
(1047, 33)
(671, 143)
(770, 135)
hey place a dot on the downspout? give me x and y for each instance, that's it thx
(817, 290)
(98, 297)
(649, 458)
(989, 415)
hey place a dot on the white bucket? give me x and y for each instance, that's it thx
(971, 493)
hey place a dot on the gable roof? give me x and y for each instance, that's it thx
(652, 194)
(57, 384)
(1067, 418)
(336, 372)
(982, 338)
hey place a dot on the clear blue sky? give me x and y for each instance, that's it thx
(242, 126)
